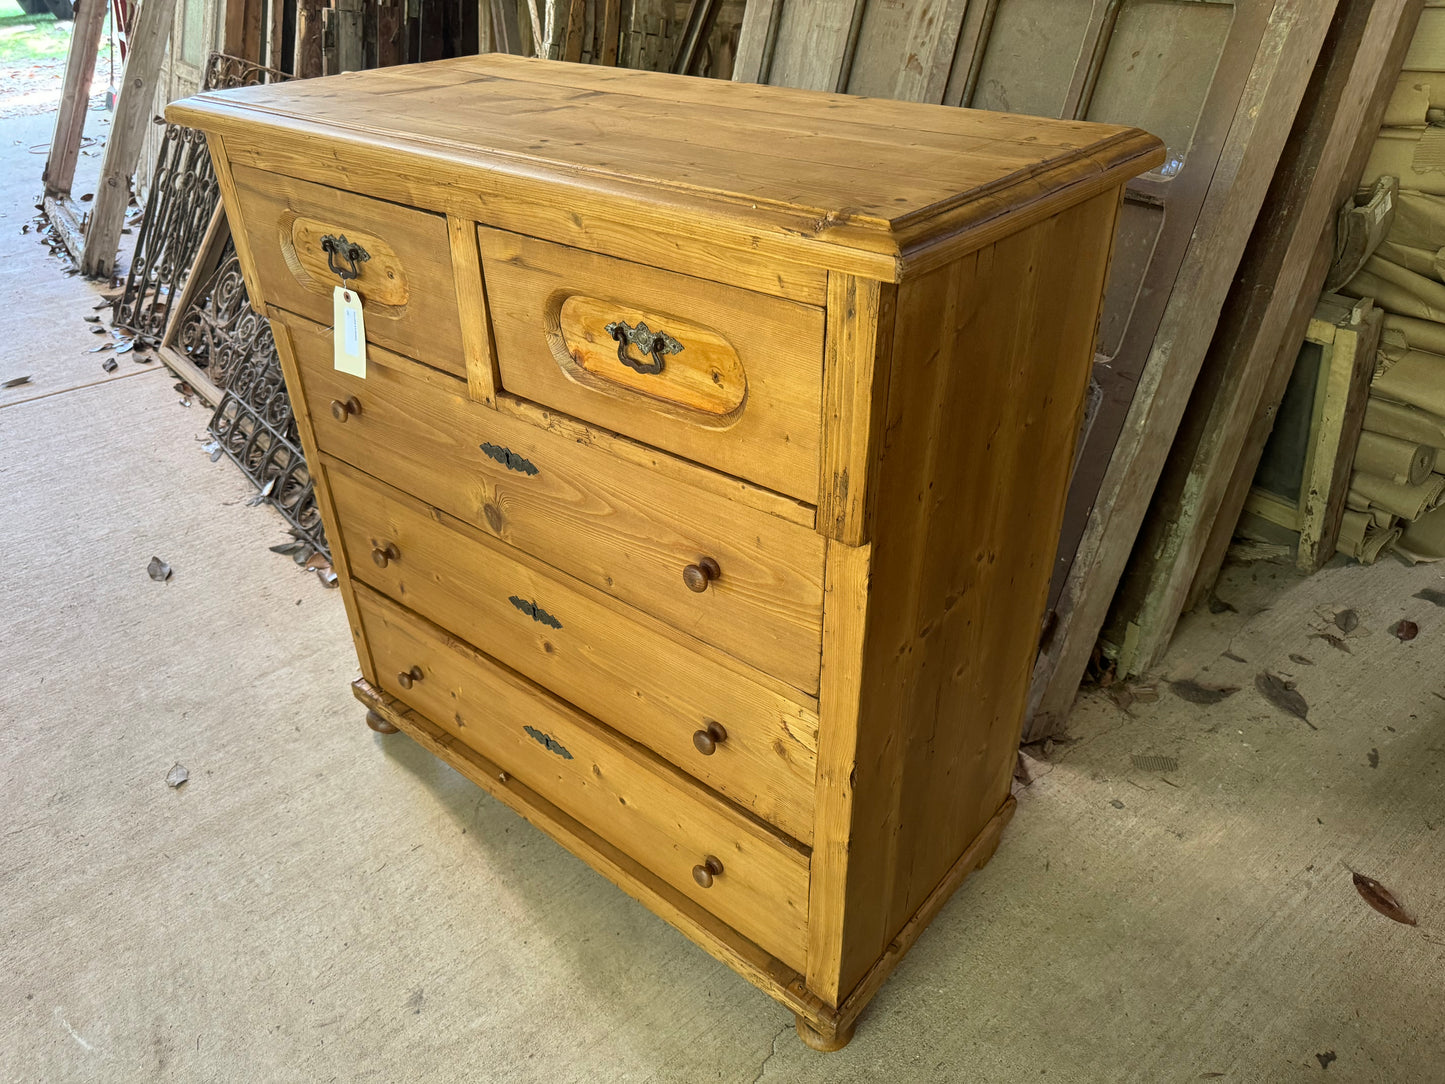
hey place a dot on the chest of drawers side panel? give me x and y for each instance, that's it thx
(930, 632)
(324, 503)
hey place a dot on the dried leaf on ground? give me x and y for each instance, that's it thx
(1333, 640)
(1301, 660)
(1283, 695)
(176, 776)
(1217, 605)
(102, 347)
(15, 382)
(184, 388)
(317, 561)
(1195, 693)
(92, 319)
(261, 497)
(158, 570)
(125, 347)
(109, 365)
(1382, 899)
(1405, 630)
(1430, 594)
(1347, 621)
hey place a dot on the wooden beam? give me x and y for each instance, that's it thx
(242, 36)
(85, 36)
(576, 16)
(127, 135)
(1263, 320)
(68, 226)
(1262, 418)
(308, 39)
(1261, 124)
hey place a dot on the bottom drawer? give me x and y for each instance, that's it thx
(758, 883)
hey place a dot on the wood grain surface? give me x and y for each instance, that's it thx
(610, 523)
(628, 796)
(631, 672)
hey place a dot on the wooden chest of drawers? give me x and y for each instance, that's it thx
(699, 497)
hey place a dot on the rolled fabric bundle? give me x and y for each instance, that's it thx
(1419, 334)
(1404, 422)
(1356, 501)
(1391, 297)
(1361, 539)
(1406, 501)
(1401, 461)
(1424, 540)
(1417, 378)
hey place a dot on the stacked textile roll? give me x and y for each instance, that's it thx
(1397, 484)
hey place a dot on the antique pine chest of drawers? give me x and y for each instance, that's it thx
(699, 497)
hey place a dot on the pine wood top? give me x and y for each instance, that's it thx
(875, 175)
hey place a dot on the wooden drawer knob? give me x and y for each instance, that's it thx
(341, 411)
(704, 873)
(698, 576)
(407, 678)
(707, 740)
(383, 555)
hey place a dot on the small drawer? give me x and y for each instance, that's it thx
(756, 882)
(405, 279)
(633, 533)
(755, 746)
(716, 374)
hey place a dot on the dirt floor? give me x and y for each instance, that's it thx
(1173, 901)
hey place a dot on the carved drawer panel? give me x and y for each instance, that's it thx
(691, 705)
(401, 259)
(720, 375)
(735, 867)
(740, 579)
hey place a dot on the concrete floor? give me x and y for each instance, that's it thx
(320, 903)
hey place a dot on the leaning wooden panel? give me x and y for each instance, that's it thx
(727, 643)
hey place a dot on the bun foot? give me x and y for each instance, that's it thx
(826, 1042)
(379, 724)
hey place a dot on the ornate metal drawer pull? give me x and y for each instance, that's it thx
(656, 343)
(508, 458)
(349, 251)
(535, 612)
(551, 744)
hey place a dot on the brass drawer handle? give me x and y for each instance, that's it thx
(704, 873)
(698, 576)
(383, 554)
(656, 343)
(350, 251)
(349, 409)
(707, 741)
(407, 678)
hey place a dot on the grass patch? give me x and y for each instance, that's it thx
(30, 39)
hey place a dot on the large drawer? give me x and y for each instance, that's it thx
(624, 529)
(720, 375)
(406, 282)
(690, 704)
(757, 883)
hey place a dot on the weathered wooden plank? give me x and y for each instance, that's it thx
(1212, 555)
(1263, 319)
(127, 134)
(85, 37)
(1262, 122)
